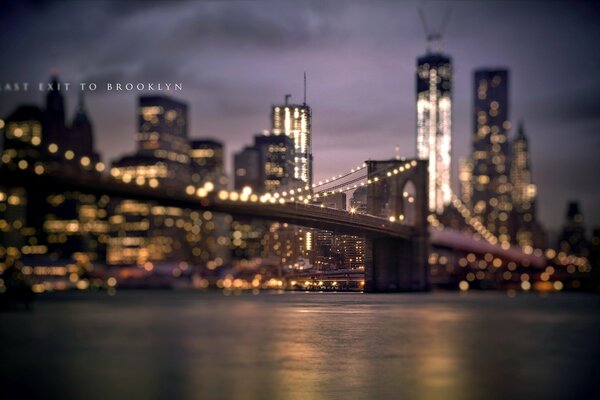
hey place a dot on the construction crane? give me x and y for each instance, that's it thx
(434, 36)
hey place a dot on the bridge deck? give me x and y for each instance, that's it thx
(308, 215)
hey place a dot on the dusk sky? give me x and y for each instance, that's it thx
(237, 58)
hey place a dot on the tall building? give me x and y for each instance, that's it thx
(247, 169)
(143, 231)
(82, 133)
(572, 238)
(21, 215)
(206, 159)
(465, 177)
(434, 124)
(162, 128)
(55, 129)
(294, 121)
(276, 160)
(54, 228)
(524, 192)
(328, 250)
(23, 135)
(491, 199)
(267, 166)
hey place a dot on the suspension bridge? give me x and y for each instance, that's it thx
(398, 229)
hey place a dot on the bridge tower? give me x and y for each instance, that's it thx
(398, 264)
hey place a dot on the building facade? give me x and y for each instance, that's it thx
(294, 121)
(434, 125)
(491, 189)
(526, 231)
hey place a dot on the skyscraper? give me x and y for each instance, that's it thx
(55, 130)
(162, 131)
(142, 231)
(276, 160)
(206, 158)
(82, 133)
(572, 238)
(294, 121)
(434, 124)
(491, 197)
(247, 169)
(54, 227)
(267, 166)
(465, 174)
(523, 191)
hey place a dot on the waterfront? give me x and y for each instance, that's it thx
(164, 344)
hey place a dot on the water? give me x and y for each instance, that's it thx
(183, 345)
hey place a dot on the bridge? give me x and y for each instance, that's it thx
(396, 252)
(399, 232)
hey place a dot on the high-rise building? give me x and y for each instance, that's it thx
(572, 239)
(162, 128)
(276, 161)
(23, 135)
(491, 199)
(247, 169)
(465, 175)
(524, 192)
(55, 129)
(328, 252)
(267, 166)
(206, 159)
(21, 215)
(294, 121)
(82, 134)
(144, 231)
(54, 227)
(434, 124)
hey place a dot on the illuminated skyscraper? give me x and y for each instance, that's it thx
(56, 227)
(491, 199)
(143, 231)
(465, 174)
(434, 124)
(294, 121)
(21, 214)
(267, 166)
(523, 191)
(276, 160)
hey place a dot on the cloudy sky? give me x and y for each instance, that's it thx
(236, 58)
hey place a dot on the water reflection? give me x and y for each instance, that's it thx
(298, 345)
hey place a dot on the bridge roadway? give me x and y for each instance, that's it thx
(294, 213)
(398, 253)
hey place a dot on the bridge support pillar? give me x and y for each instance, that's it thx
(396, 265)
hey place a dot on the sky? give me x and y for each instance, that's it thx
(237, 58)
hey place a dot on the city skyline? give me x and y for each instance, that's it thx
(337, 121)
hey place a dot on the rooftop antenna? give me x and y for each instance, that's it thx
(304, 87)
(434, 36)
(287, 97)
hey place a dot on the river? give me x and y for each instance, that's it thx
(205, 345)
